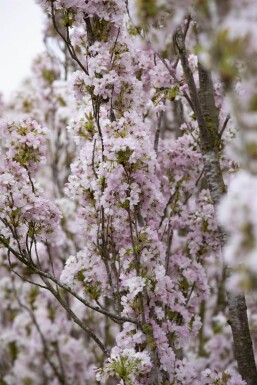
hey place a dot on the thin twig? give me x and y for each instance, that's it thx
(224, 125)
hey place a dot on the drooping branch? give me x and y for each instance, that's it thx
(35, 270)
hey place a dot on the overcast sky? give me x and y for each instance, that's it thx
(20, 41)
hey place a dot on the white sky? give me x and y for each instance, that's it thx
(20, 41)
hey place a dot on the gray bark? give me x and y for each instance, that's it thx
(207, 117)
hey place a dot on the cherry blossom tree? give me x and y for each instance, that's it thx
(114, 258)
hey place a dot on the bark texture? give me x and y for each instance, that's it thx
(207, 117)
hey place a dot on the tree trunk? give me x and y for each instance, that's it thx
(207, 117)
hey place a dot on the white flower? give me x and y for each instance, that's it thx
(135, 285)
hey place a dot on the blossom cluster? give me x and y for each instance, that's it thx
(137, 244)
